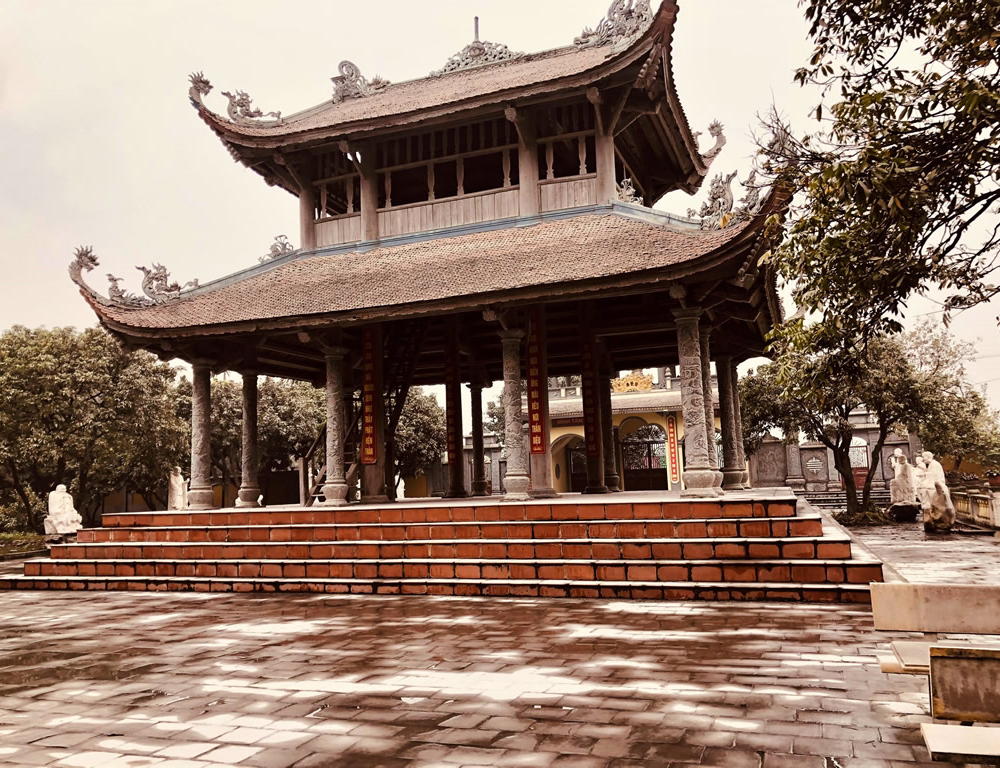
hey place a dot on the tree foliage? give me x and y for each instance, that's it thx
(420, 434)
(900, 186)
(495, 420)
(75, 408)
(814, 395)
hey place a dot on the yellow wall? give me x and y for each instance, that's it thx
(559, 459)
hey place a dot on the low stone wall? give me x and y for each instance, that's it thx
(978, 505)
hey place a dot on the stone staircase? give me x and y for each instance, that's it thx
(731, 549)
(837, 500)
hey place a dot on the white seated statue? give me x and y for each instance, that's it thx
(177, 493)
(902, 487)
(63, 518)
(935, 498)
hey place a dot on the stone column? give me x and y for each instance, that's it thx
(699, 478)
(732, 471)
(793, 463)
(706, 378)
(741, 459)
(479, 483)
(335, 487)
(612, 480)
(249, 492)
(200, 494)
(453, 412)
(516, 480)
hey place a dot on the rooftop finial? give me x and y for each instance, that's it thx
(476, 24)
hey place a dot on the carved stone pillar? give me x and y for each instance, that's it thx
(732, 471)
(793, 463)
(516, 480)
(612, 480)
(706, 378)
(479, 484)
(335, 487)
(738, 421)
(200, 494)
(249, 492)
(699, 477)
(453, 413)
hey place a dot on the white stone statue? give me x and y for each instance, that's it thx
(63, 518)
(902, 487)
(935, 498)
(177, 493)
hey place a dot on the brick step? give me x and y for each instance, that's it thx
(764, 571)
(806, 525)
(832, 546)
(354, 515)
(621, 590)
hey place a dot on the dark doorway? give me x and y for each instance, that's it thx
(644, 457)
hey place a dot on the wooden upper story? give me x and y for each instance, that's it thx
(495, 135)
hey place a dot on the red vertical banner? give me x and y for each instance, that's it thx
(369, 445)
(538, 387)
(591, 420)
(675, 472)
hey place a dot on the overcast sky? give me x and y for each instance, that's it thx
(101, 147)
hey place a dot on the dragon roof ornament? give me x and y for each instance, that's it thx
(719, 212)
(350, 84)
(627, 193)
(242, 111)
(476, 54)
(280, 247)
(156, 283)
(624, 22)
(715, 131)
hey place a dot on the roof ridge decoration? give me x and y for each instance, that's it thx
(478, 53)
(718, 211)
(280, 247)
(156, 283)
(624, 22)
(241, 109)
(715, 131)
(627, 193)
(351, 84)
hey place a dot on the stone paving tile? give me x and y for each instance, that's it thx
(206, 680)
(950, 558)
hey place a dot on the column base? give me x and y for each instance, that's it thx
(380, 499)
(479, 488)
(201, 498)
(542, 493)
(613, 483)
(517, 487)
(334, 494)
(248, 497)
(463, 494)
(732, 479)
(796, 483)
(590, 489)
(699, 483)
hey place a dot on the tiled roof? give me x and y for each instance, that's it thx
(428, 92)
(589, 246)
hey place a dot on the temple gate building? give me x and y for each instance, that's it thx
(492, 221)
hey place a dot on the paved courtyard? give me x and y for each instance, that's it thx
(192, 680)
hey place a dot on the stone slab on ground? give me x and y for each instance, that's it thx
(949, 558)
(192, 680)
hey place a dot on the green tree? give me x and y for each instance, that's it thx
(495, 420)
(289, 416)
(899, 187)
(814, 395)
(77, 409)
(420, 434)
